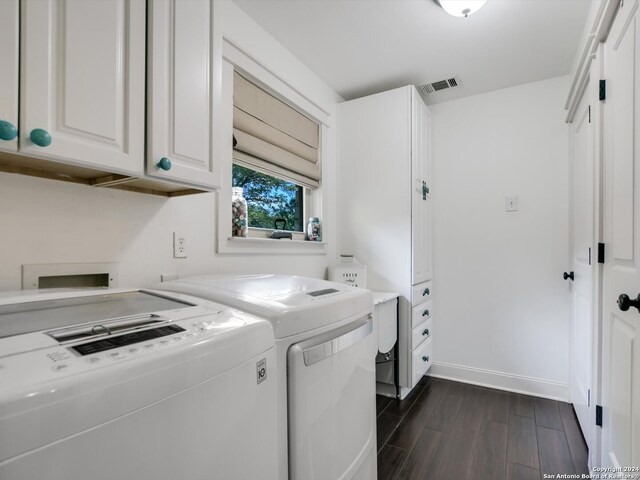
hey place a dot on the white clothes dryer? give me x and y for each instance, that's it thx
(325, 354)
(134, 384)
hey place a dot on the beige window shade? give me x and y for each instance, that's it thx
(272, 137)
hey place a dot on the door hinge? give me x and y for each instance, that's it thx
(588, 397)
(589, 113)
(589, 255)
(603, 90)
(600, 252)
(599, 415)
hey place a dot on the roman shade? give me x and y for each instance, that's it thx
(272, 137)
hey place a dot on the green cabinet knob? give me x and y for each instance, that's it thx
(40, 137)
(7, 131)
(425, 313)
(425, 332)
(425, 358)
(426, 291)
(164, 164)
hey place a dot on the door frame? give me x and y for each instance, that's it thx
(590, 95)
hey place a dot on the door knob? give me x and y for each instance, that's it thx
(566, 275)
(624, 302)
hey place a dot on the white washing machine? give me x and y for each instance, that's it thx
(325, 353)
(134, 384)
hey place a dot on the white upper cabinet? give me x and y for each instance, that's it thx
(82, 82)
(183, 87)
(421, 195)
(9, 76)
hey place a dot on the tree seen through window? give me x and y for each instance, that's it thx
(269, 198)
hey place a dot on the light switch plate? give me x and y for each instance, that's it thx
(511, 203)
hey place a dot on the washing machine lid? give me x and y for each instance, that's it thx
(72, 376)
(293, 304)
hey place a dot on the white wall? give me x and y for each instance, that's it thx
(502, 306)
(44, 221)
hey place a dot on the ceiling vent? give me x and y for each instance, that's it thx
(440, 85)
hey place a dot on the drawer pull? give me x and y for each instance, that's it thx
(426, 291)
(425, 313)
(425, 358)
(425, 332)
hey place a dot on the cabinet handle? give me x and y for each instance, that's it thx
(425, 332)
(426, 291)
(425, 313)
(7, 131)
(40, 137)
(164, 164)
(425, 358)
(566, 275)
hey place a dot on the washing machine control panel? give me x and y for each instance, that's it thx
(123, 340)
(81, 357)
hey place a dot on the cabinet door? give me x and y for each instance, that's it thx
(82, 82)
(9, 75)
(184, 86)
(421, 197)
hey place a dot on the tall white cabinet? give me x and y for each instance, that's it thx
(385, 212)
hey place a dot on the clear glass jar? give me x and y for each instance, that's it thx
(239, 210)
(314, 230)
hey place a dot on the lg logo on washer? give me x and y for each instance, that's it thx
(261, 367)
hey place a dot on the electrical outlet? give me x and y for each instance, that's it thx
(511, 203)
(179, 246)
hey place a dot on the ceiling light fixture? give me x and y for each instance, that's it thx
(460, 8)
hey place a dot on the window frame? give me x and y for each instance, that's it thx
(257, 241)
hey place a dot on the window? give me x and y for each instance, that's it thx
(275, 156)
(270, 199)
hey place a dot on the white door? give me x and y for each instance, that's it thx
(184, 85)
(421, 196)
(82, 82)
(621, 274)
(9, 75)
(582, 261)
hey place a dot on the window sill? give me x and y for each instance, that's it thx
(271, 245)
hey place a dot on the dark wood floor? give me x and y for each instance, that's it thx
(448, 430)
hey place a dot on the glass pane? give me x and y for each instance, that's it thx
(269, 199)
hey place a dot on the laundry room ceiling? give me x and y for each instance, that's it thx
(360, 47)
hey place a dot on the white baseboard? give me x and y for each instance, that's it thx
(501, 381)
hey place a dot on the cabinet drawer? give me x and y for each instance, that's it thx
(421, 361)
(421, 293)
(421, 313)
(420, 333)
